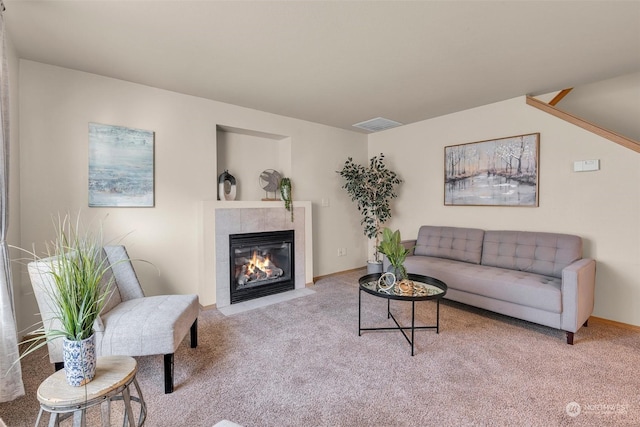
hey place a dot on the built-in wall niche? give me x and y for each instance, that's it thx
(246, 153)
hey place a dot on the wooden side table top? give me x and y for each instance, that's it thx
(112, 372)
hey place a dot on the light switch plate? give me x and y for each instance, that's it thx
(590, 165)
(586, 165)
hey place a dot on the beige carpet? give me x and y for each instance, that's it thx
(302, 363)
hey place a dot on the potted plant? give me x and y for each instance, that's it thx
(391, 246)
(286, 193)
(78, 290)
(372, 187)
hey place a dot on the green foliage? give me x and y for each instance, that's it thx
(391, 246)
(372, 188)
(287, 195)
(75, 258)
(78, 267)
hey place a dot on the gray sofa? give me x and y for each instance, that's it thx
(533, 276)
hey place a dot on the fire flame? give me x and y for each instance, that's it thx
(265, 265)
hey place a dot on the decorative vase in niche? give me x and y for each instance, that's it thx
(226, 186)
(79, 359)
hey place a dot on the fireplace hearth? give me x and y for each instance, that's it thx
(261, 264)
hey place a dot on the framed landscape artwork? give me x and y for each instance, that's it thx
(498, 172)
(120, 166)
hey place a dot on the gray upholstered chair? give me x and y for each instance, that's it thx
(130, 323)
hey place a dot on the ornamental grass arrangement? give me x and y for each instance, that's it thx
(78, 287)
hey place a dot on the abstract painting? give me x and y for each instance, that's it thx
(120, 166)
(499, 172)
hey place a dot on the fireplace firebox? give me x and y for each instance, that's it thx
(261, 264)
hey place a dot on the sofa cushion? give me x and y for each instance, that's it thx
(516, 287)
(147, 326)
(460, 244)
(540, 253)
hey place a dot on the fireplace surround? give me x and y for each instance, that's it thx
(219, 219)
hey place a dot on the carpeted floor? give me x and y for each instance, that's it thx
(302, 363)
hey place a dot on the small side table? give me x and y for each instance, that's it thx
(114, 376)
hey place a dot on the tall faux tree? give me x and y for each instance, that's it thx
(371, 187)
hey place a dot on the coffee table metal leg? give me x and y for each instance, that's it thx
(359, 311)
(413, 324)
(437, 316)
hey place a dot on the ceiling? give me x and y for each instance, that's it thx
(337, 62)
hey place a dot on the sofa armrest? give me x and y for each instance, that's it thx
(578, 289)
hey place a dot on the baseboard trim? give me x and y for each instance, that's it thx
(315, 279)
(615, 323)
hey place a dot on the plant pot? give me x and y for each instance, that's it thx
(374, 267)
(79, 360)
(399, 272)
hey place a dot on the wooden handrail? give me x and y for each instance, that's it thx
(584, 124)
(559, 96)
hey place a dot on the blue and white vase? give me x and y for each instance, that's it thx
(79, 359)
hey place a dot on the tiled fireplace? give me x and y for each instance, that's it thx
(222, 219)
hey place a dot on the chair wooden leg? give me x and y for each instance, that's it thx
(570, 338)
(168, 373)
(194, 334)
(586, 323)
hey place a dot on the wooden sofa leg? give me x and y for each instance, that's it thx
(58, 365)
(570, 338)
(194, 334)
(168, 373)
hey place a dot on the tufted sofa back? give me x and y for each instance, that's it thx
(460, 244)
(534, 252)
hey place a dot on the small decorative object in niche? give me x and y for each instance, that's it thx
(120, 166)
(498, 172)
(270, 183)
(286, 191)
(226, 186)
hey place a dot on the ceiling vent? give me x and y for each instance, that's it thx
(377, 124)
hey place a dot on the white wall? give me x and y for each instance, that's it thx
(247, 156)
(56, 105)
(603, 207)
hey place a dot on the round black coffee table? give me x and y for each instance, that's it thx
(421, 288)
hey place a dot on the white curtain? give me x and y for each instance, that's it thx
(10, 371)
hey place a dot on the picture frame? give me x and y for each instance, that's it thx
(496, 172)
(121, 166)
